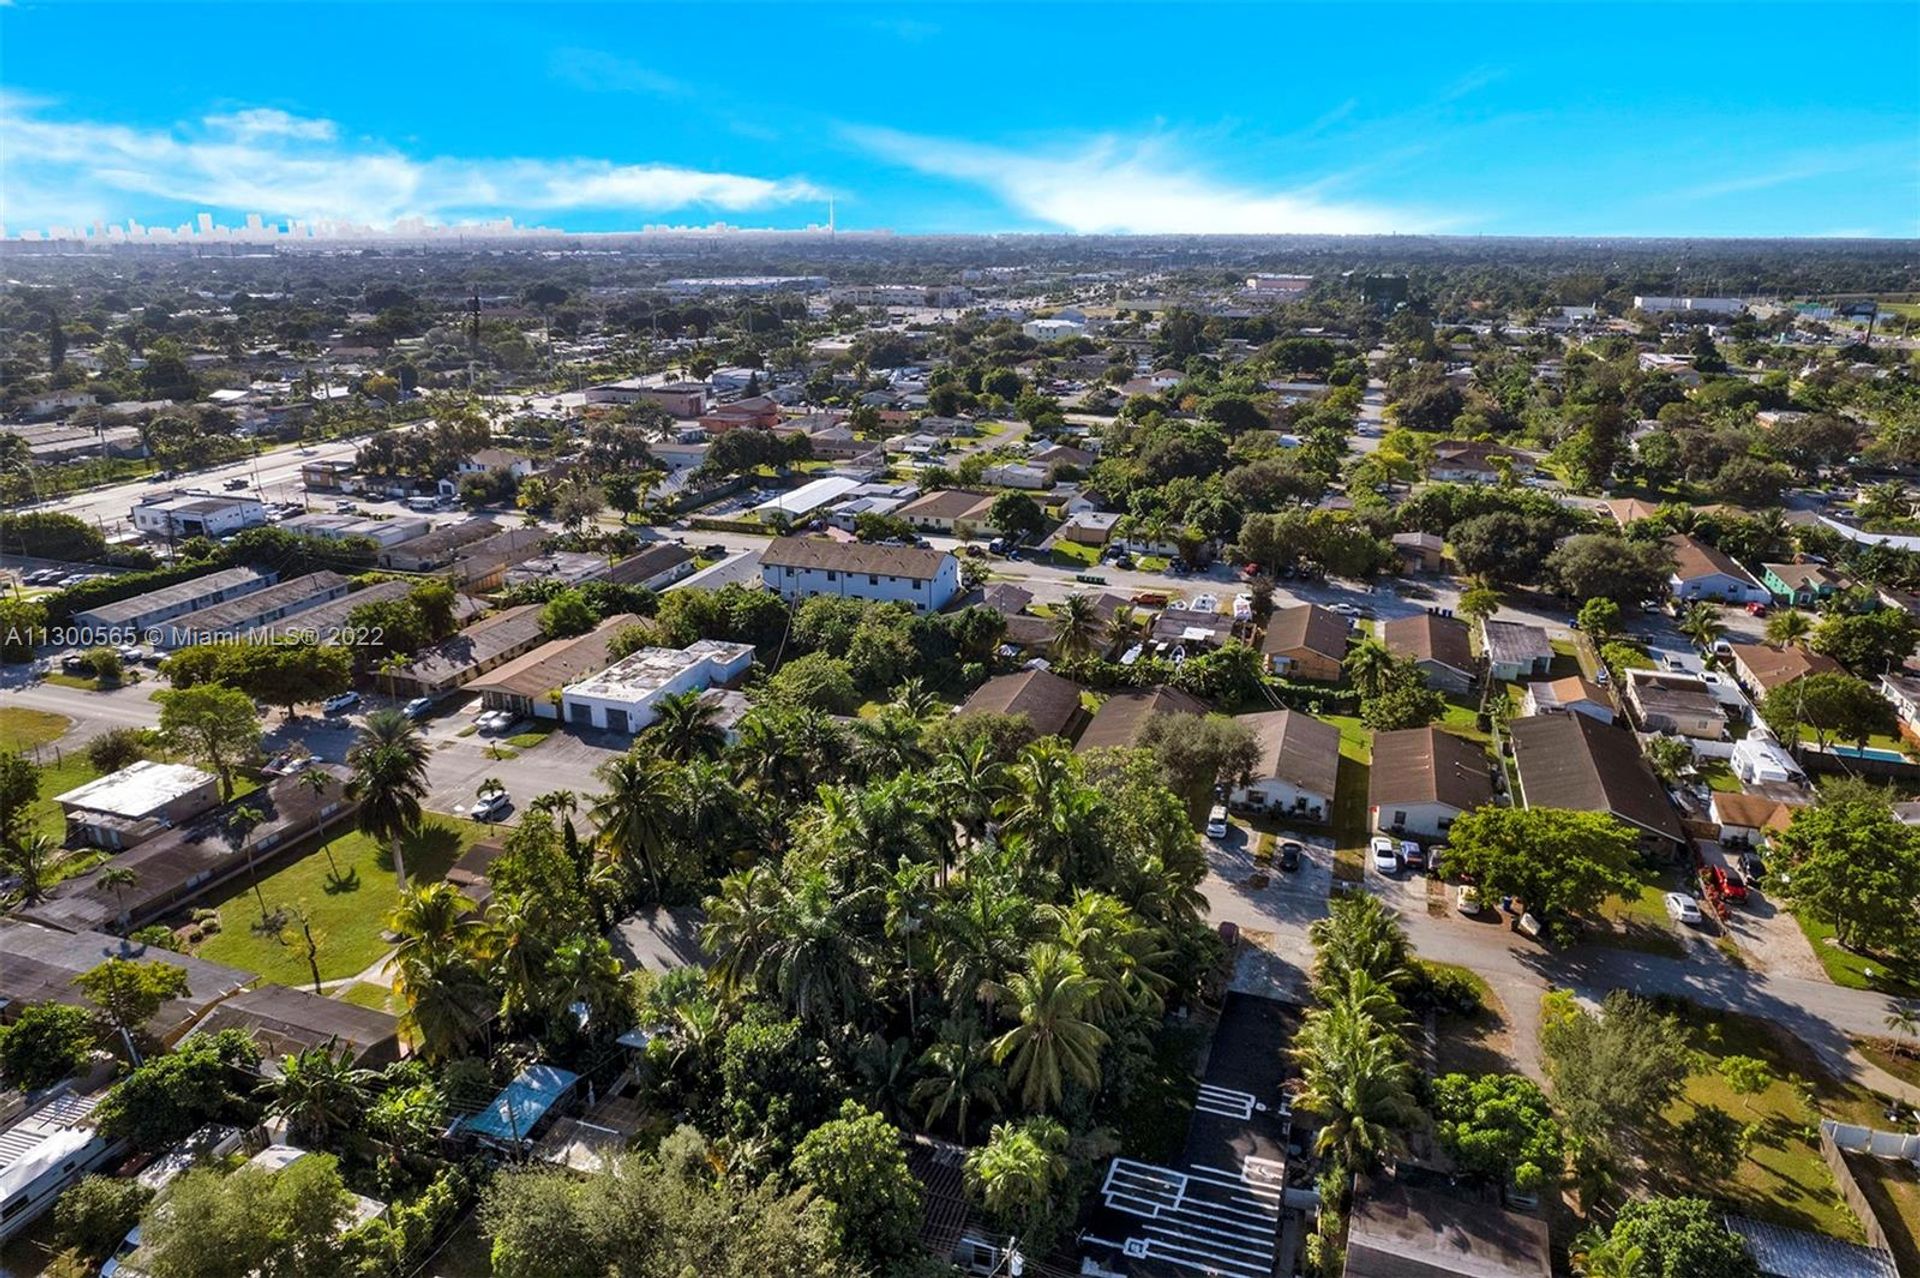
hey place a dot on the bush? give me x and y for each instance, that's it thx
(96, 1214)
(118, 748)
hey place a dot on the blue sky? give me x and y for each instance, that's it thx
(1517, 118)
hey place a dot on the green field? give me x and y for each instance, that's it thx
(1350, 798)
(1640, 922)
(23, 729)
(1856, 971)
(349, 913)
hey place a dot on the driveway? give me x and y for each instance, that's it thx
(1272, 907)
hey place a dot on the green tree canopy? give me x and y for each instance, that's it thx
(1555, 860)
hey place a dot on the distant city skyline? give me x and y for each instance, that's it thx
(1686, 119)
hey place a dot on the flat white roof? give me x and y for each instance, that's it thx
(640, 674)
(136, 790)
(809, 497)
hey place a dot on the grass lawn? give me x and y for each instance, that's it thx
(87, 684)
(23, 729)
(1640, 922)
(1719, 776)
(1853, 970)
(1883, 1052)
(1892, 1188)
(349, 914)
(528, 740)
(377, 997)
(1782, 1178)
(1480, 1043)
(1072, 552)
(1153, 563)
(72, 771)
(1350, 798)
(1462, 718)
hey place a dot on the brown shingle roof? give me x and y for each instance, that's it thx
(1576, 762)
(557, 663)
(1693, 559)
(1050, 703)
(855, 556)
(945, 503)
(1426, 765)
(1773, 667)
(1754, 811)
(1309, 627)
(1123, 716)
(1297, 748)
(1428, 636)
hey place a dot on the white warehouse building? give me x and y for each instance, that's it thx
(193, 514)
(623, 697)
(801, 567)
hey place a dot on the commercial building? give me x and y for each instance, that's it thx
(624, 696)
(531, 684)
(801, 567)
(1574, 762)
(801, 502)
(1298, 762)
(1422, 778)
(483, 565)
(155, 606)
(437, 549)
(247, 616)
(382, 532)
(179, 515)
(1708, 305)
(132, 805)
(485, 645)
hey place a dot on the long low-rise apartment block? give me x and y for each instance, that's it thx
(485, 645)
(531, 684)
(177, 600)
(801, 567)
(624, 697)
(240, 618)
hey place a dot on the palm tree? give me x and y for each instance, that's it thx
(318, 781)
(320, 1094)
(979, 937)
(1369, 664)
(33, 861)
(1015, 1174)
(1358, 934)
(686, 727)
(1077, 626)
(583, 972)
(818, 964)
(1054, 1041)
(970, 782)
(1784, 629)
(1701, 623)
(446, 999)
(433, 923)
(959, 1076)
(241, 823)
(741, 921)
(1881, 503)
(1597, 1256)
(117, 879)
(916, 699)
(635, 815)
(1357, 1079)
(515, 951)
(389, 763)
(1904, 1020)
(889, 743)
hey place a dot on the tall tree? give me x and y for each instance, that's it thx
(389, 764)
(217, 726)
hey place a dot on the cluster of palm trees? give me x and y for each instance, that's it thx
(1352, 1050)
(998, 923)
(328, 1102)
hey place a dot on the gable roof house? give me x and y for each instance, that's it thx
(1439, 645)
(1802, 585)
(1299, 760)
(1306, 642)
(1475, 461)
(1703, 572)
(1515, 650)
(1050, 703)
(1420, 551)
(1123, 717)
(1574, 694)
(1571, 761)
(1749, 819)
(1762, 667)
(485, 645)
(1422, 778)
(1667, 701)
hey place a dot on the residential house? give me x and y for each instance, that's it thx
(801, 567)
(1306, 641)
(1515, 651)
(1472, 461)
(1183, 631)
(180, 865)
(1051, 704)
(656, 565)
(1017, 475)
(1703, 572)
(1298, 761)
(1763, 667)
(1436, 1228)
(1801, 585)
(488, 460)
(940, 510)
(1574, 694)
(1420, 552)
(39, 963)
(485, 645)
(284, 1021)
(132, 805)
(1439, 645)
(1422, 778)
(1575, 762)
(437, 549)
(1090, 527)
(1123, 717)
(1681, 704)
(1748, 820)
(1904, 692)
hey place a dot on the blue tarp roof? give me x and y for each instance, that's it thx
(514, 1113)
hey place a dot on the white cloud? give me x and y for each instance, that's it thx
(1137, 186)
(267, 161)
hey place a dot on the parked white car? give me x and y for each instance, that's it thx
(490, 806)
(1681, 908)
(340, 702)
(1386, 855)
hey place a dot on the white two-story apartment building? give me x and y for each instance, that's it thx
(801, 567)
